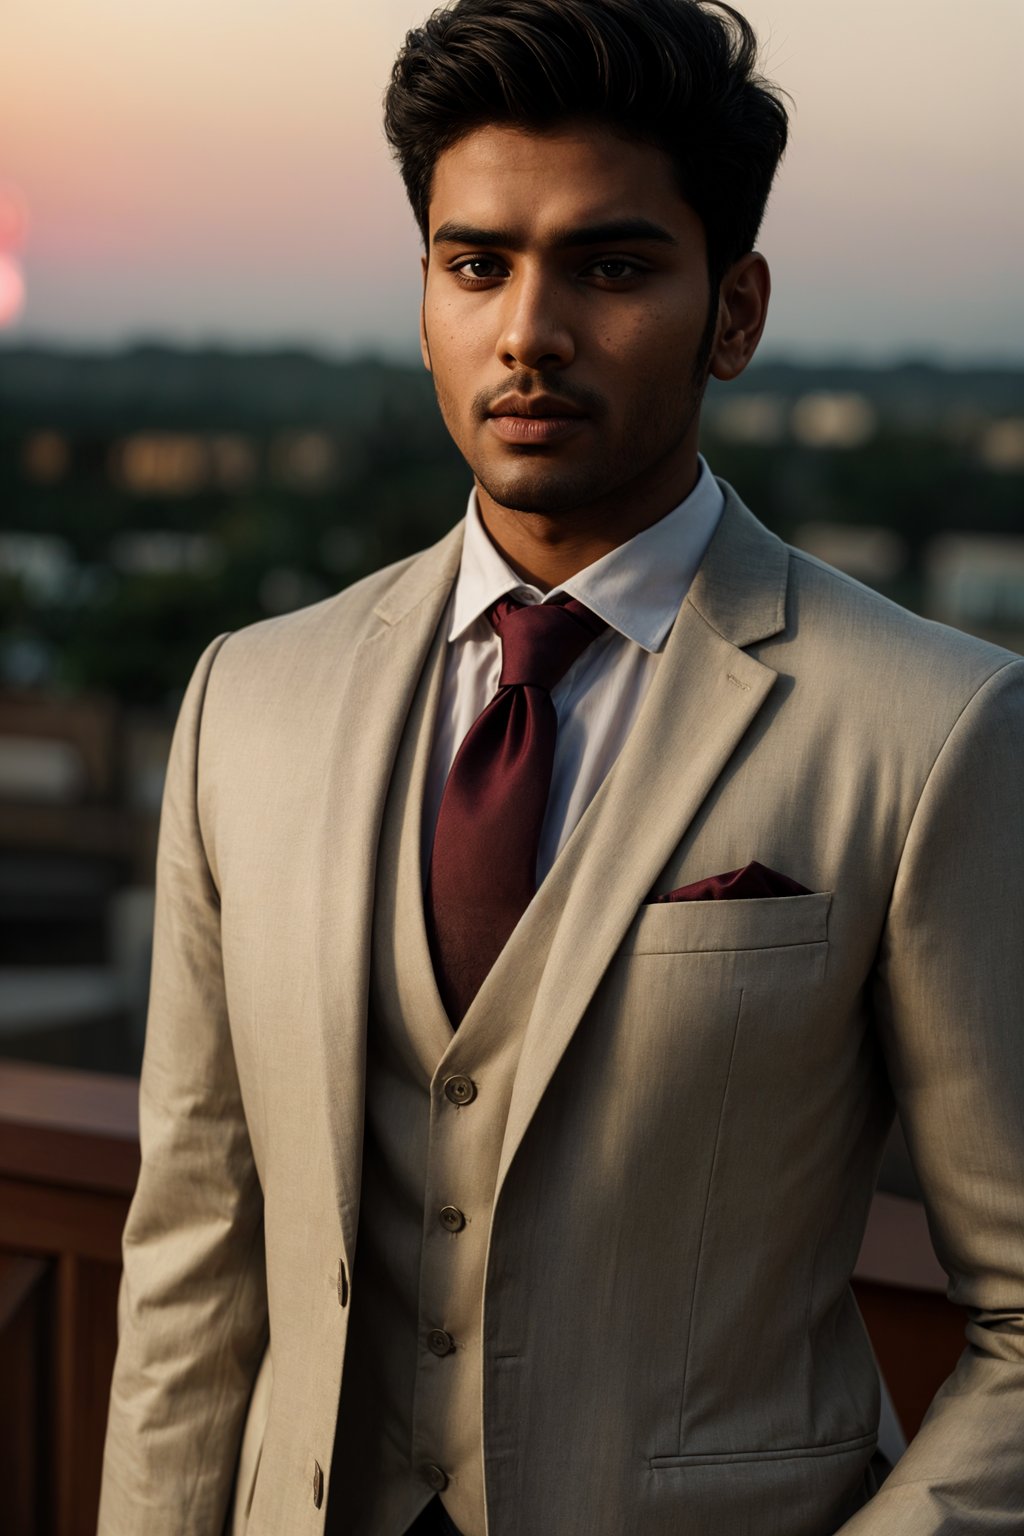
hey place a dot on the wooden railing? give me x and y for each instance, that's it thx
(69, 1158)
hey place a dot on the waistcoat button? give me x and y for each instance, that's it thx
(436, 1477)
(451, 1218)
(318, 1485)
(460, 1090)
(342, 1284)
(440, 1342)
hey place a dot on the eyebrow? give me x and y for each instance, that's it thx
(563, 239)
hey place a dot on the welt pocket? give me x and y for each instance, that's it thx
(765, 922)
(789, 1453)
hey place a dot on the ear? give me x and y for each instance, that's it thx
(424, 343)
(742, 311)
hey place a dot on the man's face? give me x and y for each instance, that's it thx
(565, 302)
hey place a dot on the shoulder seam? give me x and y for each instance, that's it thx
(1014, 663)
(215, 647)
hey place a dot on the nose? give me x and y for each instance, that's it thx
(534, 331)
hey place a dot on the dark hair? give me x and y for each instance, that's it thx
(679, 74)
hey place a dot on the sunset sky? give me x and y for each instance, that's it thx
(197, 171)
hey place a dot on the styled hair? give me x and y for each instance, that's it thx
(678, 74)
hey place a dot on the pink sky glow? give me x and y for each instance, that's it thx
(196, 173)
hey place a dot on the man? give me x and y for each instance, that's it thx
(547, 925)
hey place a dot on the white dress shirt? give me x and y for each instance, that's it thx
(637, 589)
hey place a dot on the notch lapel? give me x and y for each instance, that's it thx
(368, 719)
(706, 692)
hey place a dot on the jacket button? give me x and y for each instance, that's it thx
(436, 1477)
(460, 1090)
(342, 1284)
(440, 1342)
(318, 1485)
(451, 1218)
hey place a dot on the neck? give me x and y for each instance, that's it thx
(546, 550)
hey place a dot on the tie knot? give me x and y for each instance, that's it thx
(540, 641)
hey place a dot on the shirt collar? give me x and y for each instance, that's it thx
(637, 588)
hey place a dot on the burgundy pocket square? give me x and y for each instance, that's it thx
(752, 881)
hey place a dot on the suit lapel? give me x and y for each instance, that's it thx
(701, 703)
(706, 692)
(369, 717)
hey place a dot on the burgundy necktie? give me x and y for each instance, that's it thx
(483, 868)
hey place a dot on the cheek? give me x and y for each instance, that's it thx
(651, 344)
(453, 343)
(454, 321)
(454, 376)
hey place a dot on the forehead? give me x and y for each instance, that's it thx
(502, 176)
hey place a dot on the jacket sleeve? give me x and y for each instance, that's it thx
(192, 1311)
(951, 1008)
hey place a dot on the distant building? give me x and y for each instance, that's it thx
(750, 418)
(304, 461)
(871, 554)
(46, 457)
(823, 419)
(43, 562)
(80, 785)
(183, 463)
(1002, 445)
(165, 552)
(977, 583)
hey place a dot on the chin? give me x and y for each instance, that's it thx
(543, 491)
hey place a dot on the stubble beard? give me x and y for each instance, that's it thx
(541, 482)
(545, 486)
(534, 482)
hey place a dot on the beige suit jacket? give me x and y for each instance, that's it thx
(670, 1343)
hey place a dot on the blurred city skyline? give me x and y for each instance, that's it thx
(200, 175)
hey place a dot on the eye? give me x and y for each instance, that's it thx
(614, 269)
(477, 269)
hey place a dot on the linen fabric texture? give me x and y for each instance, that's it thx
(666, 1340)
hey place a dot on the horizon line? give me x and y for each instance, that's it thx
(382, 352)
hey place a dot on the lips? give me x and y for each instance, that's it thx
(534, 420)
(536, 407)
(534, 431)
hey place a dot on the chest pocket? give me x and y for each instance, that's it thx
(697, 953)
(703, 991)
(729, 927)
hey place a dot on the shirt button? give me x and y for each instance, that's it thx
(436, 1477)
(451, 1218)
(460, 1090)
(440, 1342)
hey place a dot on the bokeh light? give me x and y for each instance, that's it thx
(12, 290)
